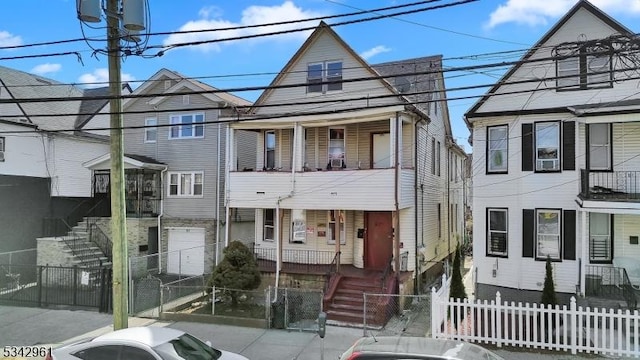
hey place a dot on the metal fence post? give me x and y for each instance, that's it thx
(39, 268)
(364, 315)
(132, 290)
(286, 308)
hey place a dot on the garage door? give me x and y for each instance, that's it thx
(186, 251)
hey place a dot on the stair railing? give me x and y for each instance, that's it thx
(79, 249)
(387, 270)
(101, 240)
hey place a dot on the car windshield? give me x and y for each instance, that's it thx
(187, 347)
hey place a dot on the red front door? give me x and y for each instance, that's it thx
(378, 241)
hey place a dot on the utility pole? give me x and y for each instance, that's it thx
(118, 211)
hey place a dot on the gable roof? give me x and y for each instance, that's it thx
(322, 28)
(65, 115)
(581, 4)
(184, 82)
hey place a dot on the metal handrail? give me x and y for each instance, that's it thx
(609, 282)
(333, 268)
(79, 249)
(102, 241)
(387, 271)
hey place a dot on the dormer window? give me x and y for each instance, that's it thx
(328, 71)
(583, 67)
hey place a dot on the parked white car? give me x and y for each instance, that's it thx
(142, 343)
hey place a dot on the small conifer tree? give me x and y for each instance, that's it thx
(456, 289)
(237, 271)
(548, 291)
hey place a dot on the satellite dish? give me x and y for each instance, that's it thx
(402, 84)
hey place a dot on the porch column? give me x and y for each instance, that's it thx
(231, 149)
(298, 146)
(584, 245)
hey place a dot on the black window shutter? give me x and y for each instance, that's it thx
(527, 147)
(569, 145)
(528, 232)
(569, 234)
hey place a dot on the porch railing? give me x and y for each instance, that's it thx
(614, 186)
(610, 283)
(294, 260)
(102, 241)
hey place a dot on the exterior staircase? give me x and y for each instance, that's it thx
(82, 250)
(344, 302)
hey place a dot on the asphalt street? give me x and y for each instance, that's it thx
(33, 326)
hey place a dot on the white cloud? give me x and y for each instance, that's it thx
(211, 18)
(374, 51)
(536, 12)
(47, 68)
(100, 78)
(7, 39)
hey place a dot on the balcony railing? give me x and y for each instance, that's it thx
(610, 186)
(610, 283)
(295, 260)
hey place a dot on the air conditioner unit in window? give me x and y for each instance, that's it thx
(548, 164)
(1, 155)
(336, 163)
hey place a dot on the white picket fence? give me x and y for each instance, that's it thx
(573, 329)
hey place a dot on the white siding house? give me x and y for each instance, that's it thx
(554, 165)
(343, 144)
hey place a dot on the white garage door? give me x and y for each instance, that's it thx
(186, 251)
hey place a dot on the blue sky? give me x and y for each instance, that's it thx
(465, 34)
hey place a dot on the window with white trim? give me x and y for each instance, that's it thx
(150, 130)
(548, 234)
(336, 147)
(269, 224)
(547, 146)
(186, 126)
(599, 146)
(269, 150)
(583, 67)
(183, 184)
(328, 71)
(497, 149)
(331, 230)
(497, 232)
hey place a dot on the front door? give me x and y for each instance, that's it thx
(378, 241)
(101, 194)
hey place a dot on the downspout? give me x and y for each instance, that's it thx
(217, 211)
(396, 225)
(415, 208)
(159, 221)
(294, 165)
(447, 177)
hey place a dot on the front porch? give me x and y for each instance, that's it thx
(142, 186)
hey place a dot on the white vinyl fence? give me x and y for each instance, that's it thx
(573, 329)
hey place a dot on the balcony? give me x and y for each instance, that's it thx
(371, 189)
(616, 186)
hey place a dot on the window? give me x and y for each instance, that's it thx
(187, 347)
(599, 146)
(433, 156)
(584, 67)
(185, 184)
(329, 71)
(438, 159)
(497, 149)
(439, 221)
(548, 234)
(336, 148)
(497, 233)
(547, 146)
(106, 352)
(331, 236)
(2, 143)
(600, 239)
(134, 353)
(269, 150)
(298, 227)
(186, 126)
(150, 130)
(269, 225)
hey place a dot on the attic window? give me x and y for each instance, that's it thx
(580, 67)
(328, 71)
(167, 84)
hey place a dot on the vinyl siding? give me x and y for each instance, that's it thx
(326, 48)
(69, 177)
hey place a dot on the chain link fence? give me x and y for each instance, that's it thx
(19, 257)
(396, 315)
(148, 273)
(296, 309)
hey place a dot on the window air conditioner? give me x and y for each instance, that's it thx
(336, 163)
(1, 155)
(548, 164)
